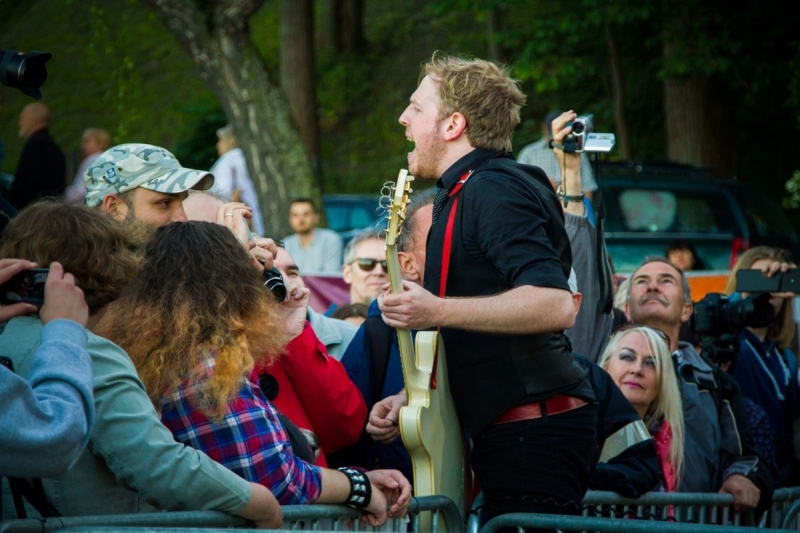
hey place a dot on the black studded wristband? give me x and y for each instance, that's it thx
(360, 488)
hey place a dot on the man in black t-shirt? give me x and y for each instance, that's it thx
(504, 302)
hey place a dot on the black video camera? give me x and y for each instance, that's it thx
(718, 321)
(25, 72)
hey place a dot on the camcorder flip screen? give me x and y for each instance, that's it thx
(25, 287)
(756, 281)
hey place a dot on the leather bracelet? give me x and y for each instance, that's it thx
(567, 198)
(360, 487)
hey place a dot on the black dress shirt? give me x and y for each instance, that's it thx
(508, 232)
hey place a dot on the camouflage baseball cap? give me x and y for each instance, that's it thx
(128, 166)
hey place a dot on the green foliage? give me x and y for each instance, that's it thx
(197, 149)
(114, 66)
(793, 187)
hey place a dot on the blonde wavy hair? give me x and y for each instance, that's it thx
(667, 404)
(197, 299)
(483, 92)
(782, 331)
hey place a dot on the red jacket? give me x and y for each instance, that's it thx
(316, 394)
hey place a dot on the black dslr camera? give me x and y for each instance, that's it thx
(718, 322)
(25, 72)
(273, 280)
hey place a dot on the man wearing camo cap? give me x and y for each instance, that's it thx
(142, 186)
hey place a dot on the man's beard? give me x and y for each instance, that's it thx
(141, 231)
(429, 160)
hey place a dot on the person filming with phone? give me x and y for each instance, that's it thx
(765, 367)
(46, 418)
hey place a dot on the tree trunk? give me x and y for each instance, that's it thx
(623, 140)
(700, 110)
(297, 72)
(351, 25)
(701, 123)
(496, 51)
(344, 31)
(217, 39)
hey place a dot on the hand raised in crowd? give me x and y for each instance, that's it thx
(745, 493)
(569, 163)
(62, 298)
(234, 216)
(8, 269)
(414, 308)
(294, 309)
(772, 269)
(383, 419)
(264, 251)
(395, 488)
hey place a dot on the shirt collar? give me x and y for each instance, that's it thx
(466, 164)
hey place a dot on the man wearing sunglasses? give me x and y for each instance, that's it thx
(364, 267)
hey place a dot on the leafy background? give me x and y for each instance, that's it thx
(117, 67)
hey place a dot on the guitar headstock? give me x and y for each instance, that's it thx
(397, 211)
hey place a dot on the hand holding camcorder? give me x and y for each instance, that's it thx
(582, 138)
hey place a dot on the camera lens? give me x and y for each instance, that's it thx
(578, 127)
(274, 282)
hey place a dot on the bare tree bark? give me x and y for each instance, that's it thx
(297, 72)
(493, 21)
(215, 34)
(618, 90)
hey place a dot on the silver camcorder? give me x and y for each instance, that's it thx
(584, 139)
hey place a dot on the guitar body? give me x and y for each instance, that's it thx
(429, 426)
(431, 430)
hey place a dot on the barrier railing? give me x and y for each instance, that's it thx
(559, 523)
(711, 508)
(295, 517)
(785, 508)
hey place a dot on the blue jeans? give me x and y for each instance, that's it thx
(537, 466)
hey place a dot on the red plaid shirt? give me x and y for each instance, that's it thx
(249, 440)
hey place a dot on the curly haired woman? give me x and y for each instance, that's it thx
(190, 322)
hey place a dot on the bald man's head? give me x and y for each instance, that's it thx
(34, 117)
(202, 205)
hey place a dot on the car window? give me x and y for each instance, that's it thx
(640, 209)
(361, 217)
(337, 217)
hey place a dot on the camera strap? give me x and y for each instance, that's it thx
(33, 491)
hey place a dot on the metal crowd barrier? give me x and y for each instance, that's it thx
(701, 508)
(522, 521)
(785, 507)
(295, 517)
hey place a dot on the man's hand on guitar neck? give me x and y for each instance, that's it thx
(383, 419)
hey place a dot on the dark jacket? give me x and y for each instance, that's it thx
(41, 171)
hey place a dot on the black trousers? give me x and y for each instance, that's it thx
(536, 466)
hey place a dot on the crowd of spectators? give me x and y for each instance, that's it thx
(160, 373)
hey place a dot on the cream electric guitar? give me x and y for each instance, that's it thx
(429, 425)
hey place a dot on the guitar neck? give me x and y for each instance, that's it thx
(404, 338)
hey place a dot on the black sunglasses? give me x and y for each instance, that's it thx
(632, 325)
(367, 265)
